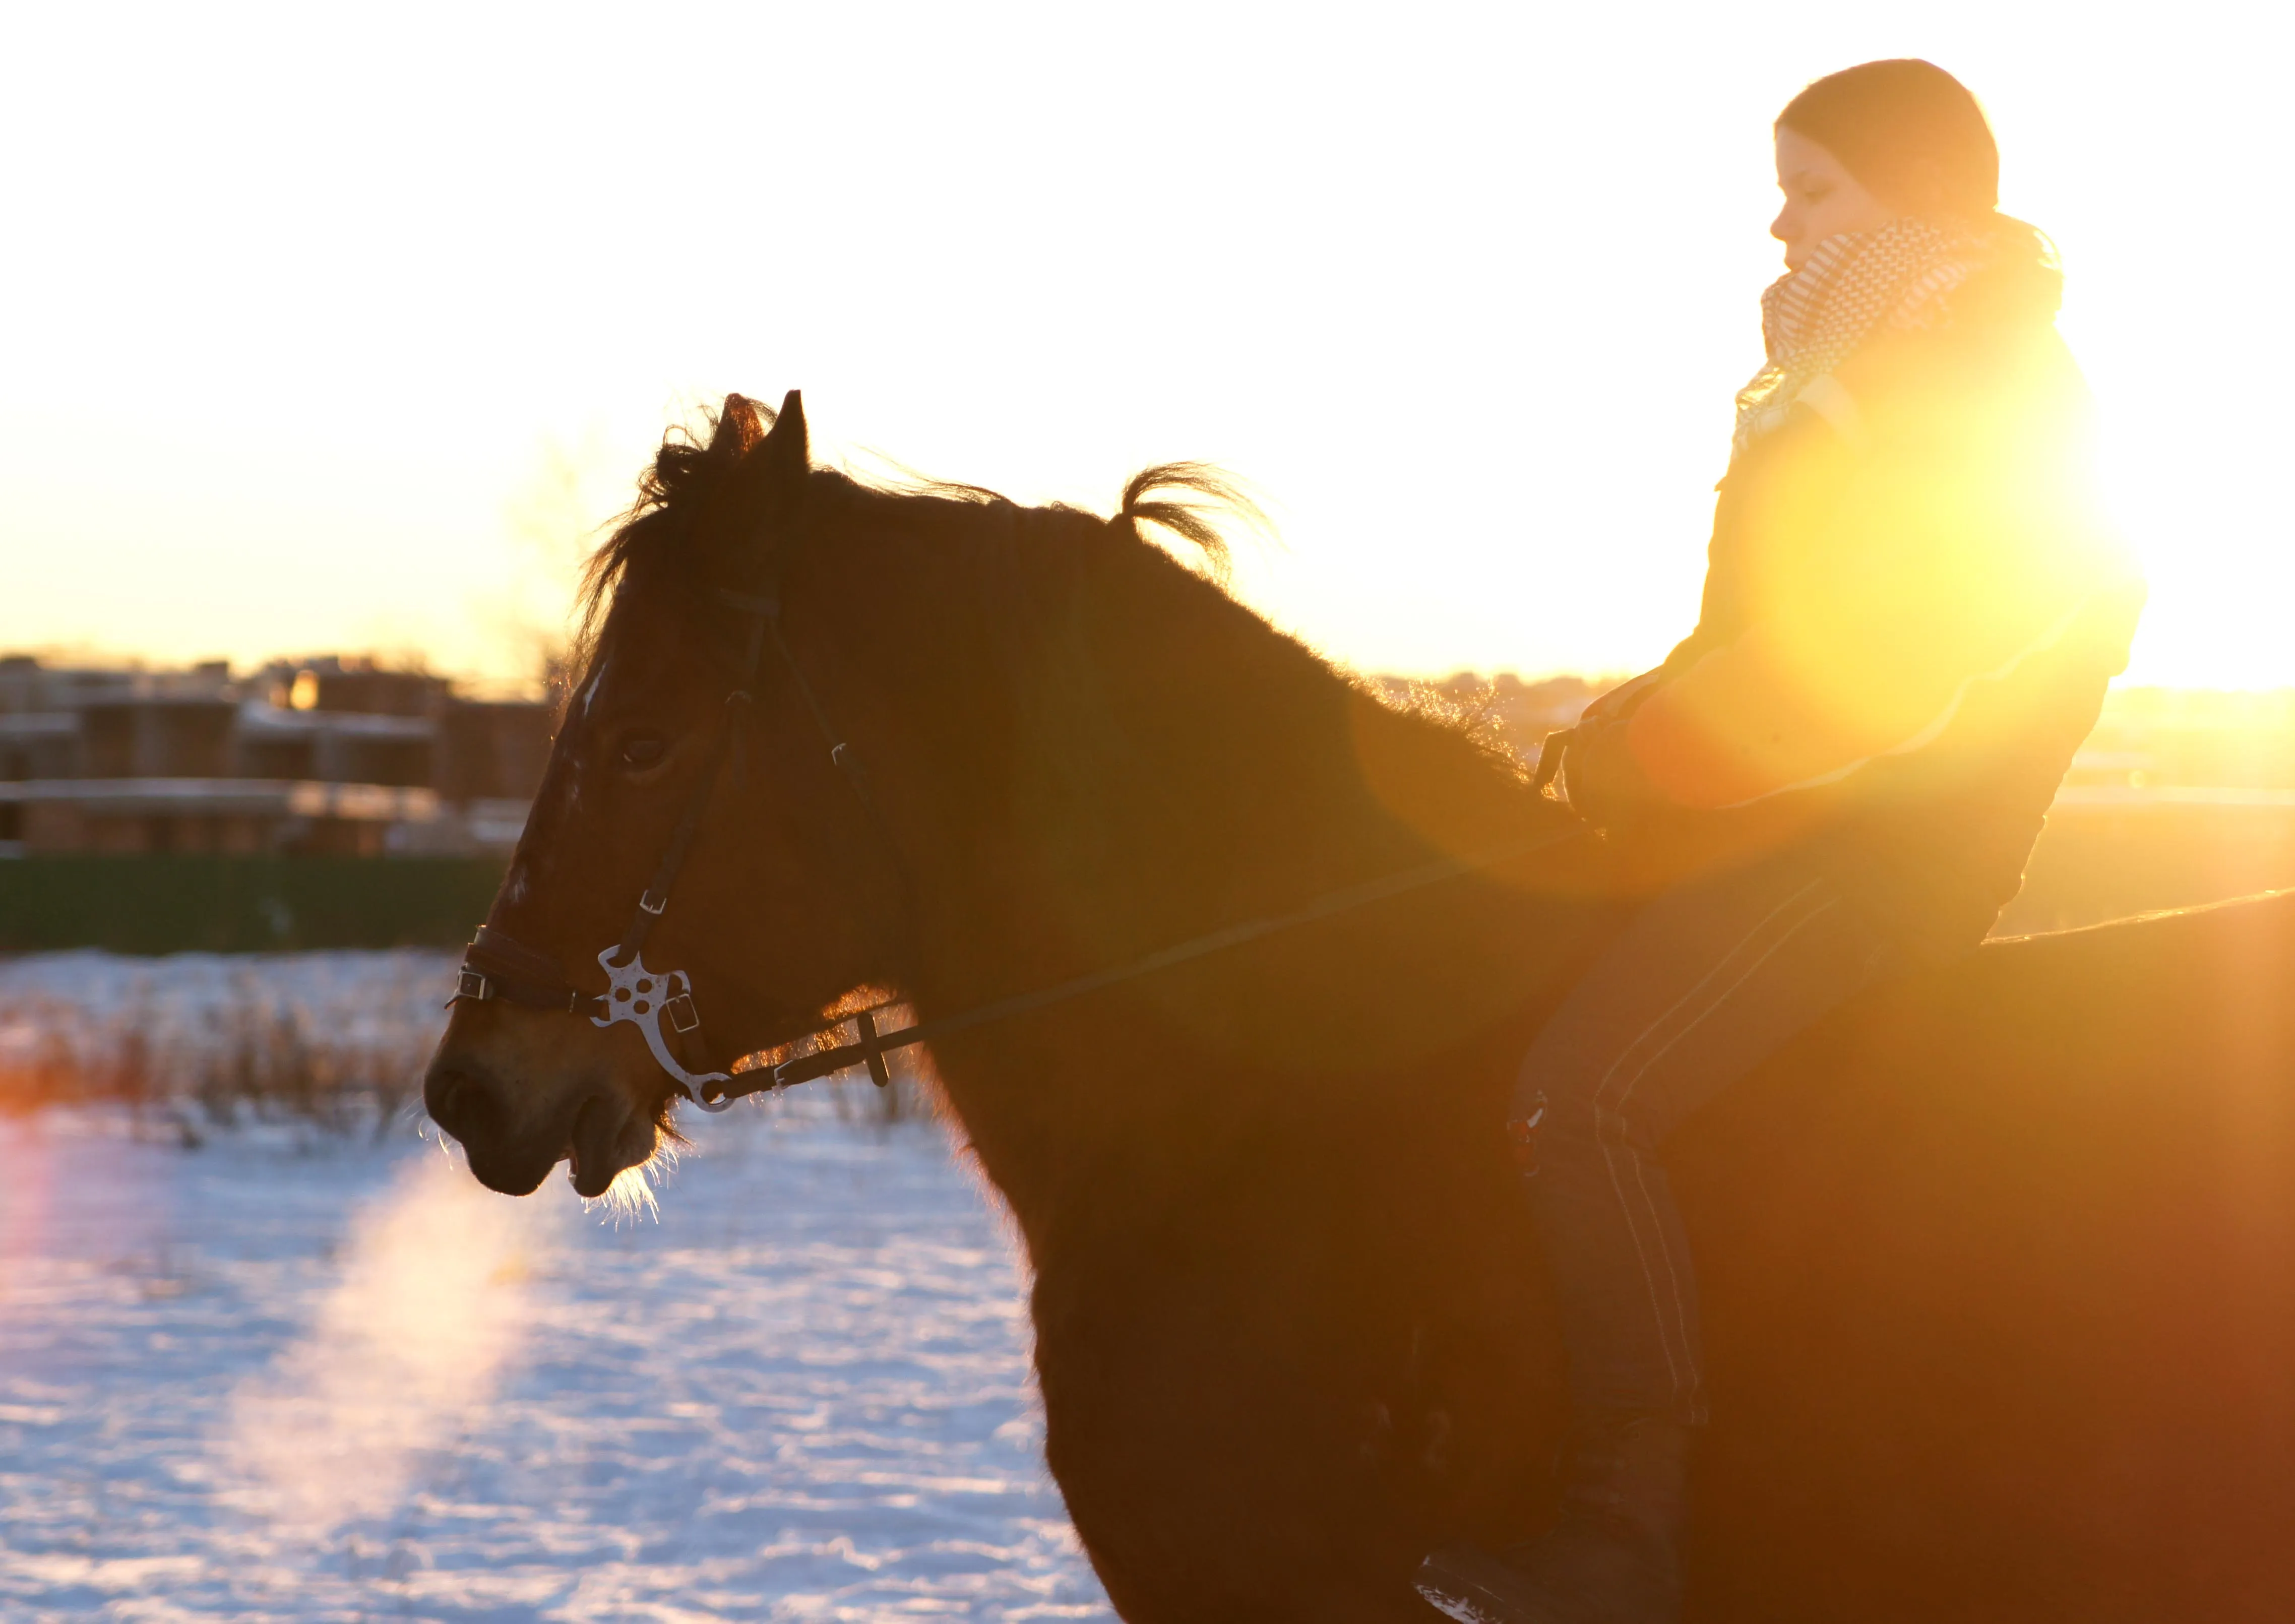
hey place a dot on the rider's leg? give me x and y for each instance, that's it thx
(1697, 991)
(1703, 985)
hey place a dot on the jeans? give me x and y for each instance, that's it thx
(1703, 985)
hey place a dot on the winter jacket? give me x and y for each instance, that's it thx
(1912, 607)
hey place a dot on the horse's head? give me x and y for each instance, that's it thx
(696, 881)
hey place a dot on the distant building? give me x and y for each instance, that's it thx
(320, 755)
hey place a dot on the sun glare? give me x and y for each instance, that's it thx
(1477, 349)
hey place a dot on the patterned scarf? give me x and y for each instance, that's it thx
(1813, 318)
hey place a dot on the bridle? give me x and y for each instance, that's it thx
(660, 1002)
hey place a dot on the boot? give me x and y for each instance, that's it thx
(1611, 1558)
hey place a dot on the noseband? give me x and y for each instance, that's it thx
(659, 1003)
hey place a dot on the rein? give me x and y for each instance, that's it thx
(873, 1046)
(660, 1003)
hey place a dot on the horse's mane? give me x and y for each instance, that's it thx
(1194, 500)
(1173, 668)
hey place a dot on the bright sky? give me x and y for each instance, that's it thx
(332, 328)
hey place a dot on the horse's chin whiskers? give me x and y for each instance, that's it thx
(630, 1195)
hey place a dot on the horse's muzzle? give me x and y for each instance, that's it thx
(467, 1101)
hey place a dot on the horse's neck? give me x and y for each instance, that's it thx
(1143, 763)
(1134, 758)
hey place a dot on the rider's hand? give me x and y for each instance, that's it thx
(1602, 781)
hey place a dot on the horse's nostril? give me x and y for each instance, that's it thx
(458, 1102)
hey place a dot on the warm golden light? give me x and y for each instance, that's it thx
(1465, 295)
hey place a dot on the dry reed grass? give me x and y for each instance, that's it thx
(194, 1044)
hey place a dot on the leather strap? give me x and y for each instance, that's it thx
(497, 965)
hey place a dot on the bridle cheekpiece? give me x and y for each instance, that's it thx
(659, 1003)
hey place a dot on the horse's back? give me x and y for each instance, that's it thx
(1998, 1270)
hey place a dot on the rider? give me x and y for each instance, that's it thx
(1911, 610)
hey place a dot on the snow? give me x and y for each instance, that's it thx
(305, 1374)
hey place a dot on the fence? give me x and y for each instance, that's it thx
(2108, 856)
(2101, 858)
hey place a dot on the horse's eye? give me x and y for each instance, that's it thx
(643, 750)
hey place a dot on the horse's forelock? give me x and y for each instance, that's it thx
(686, 471)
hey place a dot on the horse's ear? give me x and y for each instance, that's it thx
(739, 427)
(787, 449)
(765, 486)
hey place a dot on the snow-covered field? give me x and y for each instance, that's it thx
(296, 1375)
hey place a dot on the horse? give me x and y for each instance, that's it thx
(1996, 1260)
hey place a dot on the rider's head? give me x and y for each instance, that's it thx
(1863, 146)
